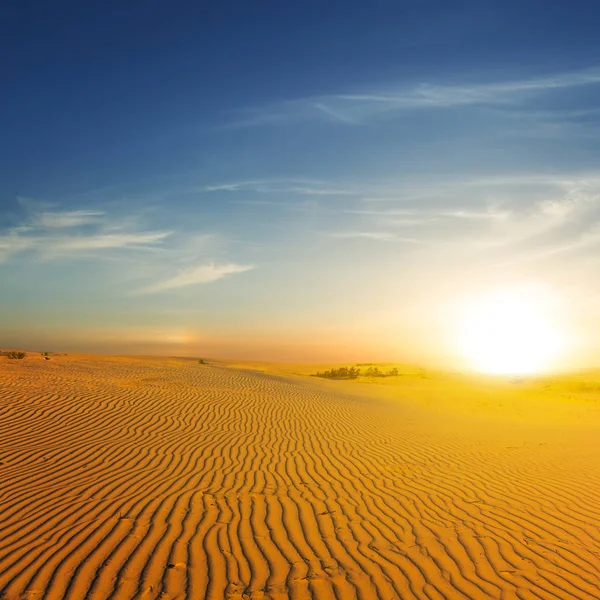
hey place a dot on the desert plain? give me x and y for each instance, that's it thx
(148, 478)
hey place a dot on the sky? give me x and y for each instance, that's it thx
(308, 181)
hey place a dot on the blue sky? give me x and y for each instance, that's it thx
(291, 180)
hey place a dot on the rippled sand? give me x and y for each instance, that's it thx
(162, 478)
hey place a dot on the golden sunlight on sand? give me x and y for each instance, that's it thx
(163, 478)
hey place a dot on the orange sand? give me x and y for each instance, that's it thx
(161, 478)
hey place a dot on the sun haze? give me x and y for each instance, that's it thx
(299, 300)
(513, 331)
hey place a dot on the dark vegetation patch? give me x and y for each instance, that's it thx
(15, 354)
(355, 372)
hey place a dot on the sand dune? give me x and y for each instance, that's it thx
(143, 478)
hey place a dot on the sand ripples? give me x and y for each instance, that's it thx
(147, 479)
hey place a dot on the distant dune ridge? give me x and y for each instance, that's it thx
(133, 478)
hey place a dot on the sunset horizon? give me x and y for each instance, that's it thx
(350, 205)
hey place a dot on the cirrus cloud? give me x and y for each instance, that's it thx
(196, 276)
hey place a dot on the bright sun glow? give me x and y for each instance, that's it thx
(512, 332)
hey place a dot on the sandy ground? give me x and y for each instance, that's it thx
(162, 478)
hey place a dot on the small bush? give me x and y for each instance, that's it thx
(373, 372)
(355, 372)
(201, 362)
(341, 373)
(15, 355)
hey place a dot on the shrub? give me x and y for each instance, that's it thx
(373, 372)
(201, 362)
(355, 372)
(14, 354)
(341, 373)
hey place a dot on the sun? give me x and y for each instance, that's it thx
(511, 331)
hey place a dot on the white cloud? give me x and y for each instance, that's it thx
(74, 234)
(107, 240)
(196, 276)
(360, 107)
(500, 220)
(431, 214)
(76, 218)
(335, 115)
(380, 236)
(284, 186)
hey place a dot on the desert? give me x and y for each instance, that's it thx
(136, 477)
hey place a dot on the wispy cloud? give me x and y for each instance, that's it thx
(196, 276)
(555, 227)
(509, 217)
(416, 215)
(501, 220)
(507, 223)
(73, 234)
(335, 114)
(360, 107)
(45, 235)
(58, 220)
(289, 186)
(380, 236)
(432, 95)
(100, 241)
